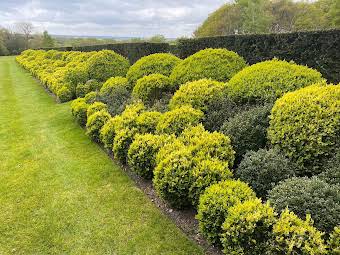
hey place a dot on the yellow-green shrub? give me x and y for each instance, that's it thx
(216, 64)
(95, 122)
(83, 88)
(292, 235)
(334, 241)
(91, 97)
(147, 122)
(153, 87)
(206, 172)
(215, 203)
(79, 110)
(95, 107)
(175, 121)
(142, 153)
(247, 228)
(108, 132)
(266, 81)
(198, 94)
(105, 64)
(161, 63)
(122, 142)
(305, 125)
(64, 94)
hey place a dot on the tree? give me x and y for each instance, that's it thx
(157, 39)
(26, 28)
(47, 40)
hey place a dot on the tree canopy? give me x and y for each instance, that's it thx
(271, 16)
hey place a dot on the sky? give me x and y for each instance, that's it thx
(129, 18)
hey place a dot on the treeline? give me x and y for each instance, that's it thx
(271, 16)
(13, 42)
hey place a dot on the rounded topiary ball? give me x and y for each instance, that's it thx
(96, 107)
(263, 169)
(309, 196)
(175, 121)
(216, 64)
(161, 63)
(79, 110)
(198, 94)
(247, 228)
(153, 87)
(305, 125)
(266, 81)
(95, 122)
(64, 94)
(105, 64)
(215, 203)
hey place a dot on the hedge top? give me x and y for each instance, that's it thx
(216, 64)
(161, 63)
(266, 81)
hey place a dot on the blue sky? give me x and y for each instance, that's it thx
(172, 18)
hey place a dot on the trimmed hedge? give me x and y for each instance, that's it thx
(215, 203)
(160, 63)
(215, 64)
(313, 196)
(316, 49)
(305, 125)
(132, 51)
(95, 122)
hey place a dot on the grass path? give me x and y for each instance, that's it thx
(59, 192)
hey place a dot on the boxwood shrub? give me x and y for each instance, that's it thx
(83, 88)
(263, 169)
(266, 81)
(292, 235)
(207, 171)
(334, 241)
(248, 129)
(79, 110)
(305, 124)
(95, 107)
(91, 97)
(147, 121)
(309, 196)
(121, 143)
(175, 121)
(115, 92)
(95, 122)
(64, 94)
(198, 94)
(142, 153)
(247, 228)
(160, 63)
(216, 64)
(215, 203)
(105, 64)
(108, 132)
(151, 88)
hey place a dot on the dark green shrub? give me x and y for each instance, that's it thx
(142, 153)
(215, 203)
(95, 107)
(175, 121)
(331, 170)
(305, 125)
(205, 173)
(263, 169)
(292, 235)
(313, 196)
(105, 64)
(115, 93)
(268, 80)
(64, 94)
(161, 63)
(85, 88)
(216, 64)
(247, 228)
(334, 242)
(79, 110)
(197, 94)
(95, 122)
(152, 88)
(248, 130)
(172, 178)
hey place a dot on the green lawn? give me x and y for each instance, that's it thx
(59, 192)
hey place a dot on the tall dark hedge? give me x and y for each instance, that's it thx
(132, 51)
(316, 49)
